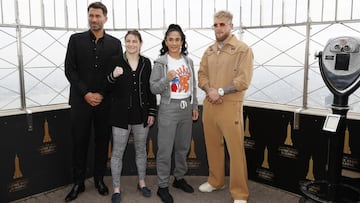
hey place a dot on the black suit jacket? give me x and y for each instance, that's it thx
(87, 63)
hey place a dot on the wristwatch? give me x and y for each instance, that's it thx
(221, 91)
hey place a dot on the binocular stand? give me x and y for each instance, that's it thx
(332, 190)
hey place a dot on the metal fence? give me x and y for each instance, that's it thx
(284, 35)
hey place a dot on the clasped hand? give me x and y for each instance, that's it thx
(93, 99)
(213, 96)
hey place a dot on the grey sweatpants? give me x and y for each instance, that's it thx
(120, 140)
(174, 132)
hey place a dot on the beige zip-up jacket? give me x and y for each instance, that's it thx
(233, 63)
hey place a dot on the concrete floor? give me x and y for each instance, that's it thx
(259, 193)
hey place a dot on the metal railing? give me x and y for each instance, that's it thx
(261, 24)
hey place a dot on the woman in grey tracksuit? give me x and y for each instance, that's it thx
(173, 78)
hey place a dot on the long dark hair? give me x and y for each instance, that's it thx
(176, 28)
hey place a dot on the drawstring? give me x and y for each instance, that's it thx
(183, 104)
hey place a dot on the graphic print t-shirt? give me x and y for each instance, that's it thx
(180, 85)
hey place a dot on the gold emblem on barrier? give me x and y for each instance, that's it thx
(310, 173)
(288, 140)
(349, 161)
(151, 154)
(17, 171)
(151, 163)
(192, 154)
(248, 142)
(109, 149)
(288, 150)
(264, 172)
(47, 147)
(46, 137)
(108, 163)
(193, 162)
(347, 149)
(19, 182)
(265, 163)
(247, 131)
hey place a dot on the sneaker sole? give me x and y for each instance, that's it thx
(206, 191)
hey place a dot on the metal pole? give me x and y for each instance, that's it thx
(2, 12)
(30, 22)
(272, 12)
(77, 16)
(113, 13)
(261, 12)
(306, 62)
(336, 10)
(151, 14)
(20, 57)
(251, 9)
(240, 32)
(54, 13)
(240, 16)
(66, 14)
(138, 14)
(42, 14)
(189, 16)
(296, 8)
(202, 14)
(164, 15)
(282, 12)
(126, 8)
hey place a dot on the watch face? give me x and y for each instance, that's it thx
(221, 91)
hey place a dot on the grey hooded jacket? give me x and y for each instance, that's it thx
(160, 85)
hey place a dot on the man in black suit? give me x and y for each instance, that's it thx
(86, 68)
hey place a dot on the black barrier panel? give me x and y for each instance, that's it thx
(272, 148)
(40, 159)
(14, 146)
(37, 154)
(351, 146)
(283, 157)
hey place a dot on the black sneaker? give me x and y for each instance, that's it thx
(164, 195)
(182, 184)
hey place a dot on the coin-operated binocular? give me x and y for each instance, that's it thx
(340, 69)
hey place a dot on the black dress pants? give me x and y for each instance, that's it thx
(83, 118)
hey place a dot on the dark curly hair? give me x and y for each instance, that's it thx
(172, 28)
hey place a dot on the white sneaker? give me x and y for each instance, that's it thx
(206, 187)
(240, 201)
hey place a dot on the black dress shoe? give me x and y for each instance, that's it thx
(116, 198)
(76, 189)
(146, 192)
(101, 187)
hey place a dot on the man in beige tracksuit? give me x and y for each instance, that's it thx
(225, 73)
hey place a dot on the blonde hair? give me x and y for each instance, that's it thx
(223, 14)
